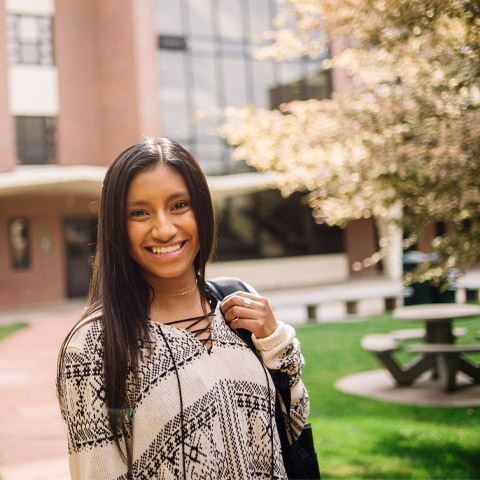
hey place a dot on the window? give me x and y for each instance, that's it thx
(260, 16)
(35, 140)
(235, 82)
(263, 81)
(168, 17)
(174, 110)
(172, 42)
(316, 86)
(19, 243)
(206, 63)
(266, 225)
(200, 18)
(231, 19)
(29, 39)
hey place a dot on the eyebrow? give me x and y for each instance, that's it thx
(173, 196)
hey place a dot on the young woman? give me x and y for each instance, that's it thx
(154, 382)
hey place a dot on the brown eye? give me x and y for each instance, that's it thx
(180, 205)
(137, 213)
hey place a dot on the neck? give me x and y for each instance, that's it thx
(176, 294)
(166, 308)
(172, 287)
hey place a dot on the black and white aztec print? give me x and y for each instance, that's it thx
(227, 428)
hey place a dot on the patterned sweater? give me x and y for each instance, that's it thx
(227, 406)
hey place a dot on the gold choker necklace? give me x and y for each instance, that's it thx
(178, 294)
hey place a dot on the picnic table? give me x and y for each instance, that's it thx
(438, 352)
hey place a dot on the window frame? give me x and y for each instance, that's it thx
(24, 261)
(24, 142)
(15, 41)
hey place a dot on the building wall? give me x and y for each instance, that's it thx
(426, 237)
(45, 279)
(33, 90)
(145, 58)
(108, 87)
(106, 96)
(361, 243)
(7, 137)
(78, 141)
(339, 75)
(268, 274)
(31, 7)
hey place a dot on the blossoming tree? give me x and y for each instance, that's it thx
(402, 142)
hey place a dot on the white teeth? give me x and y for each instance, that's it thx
(173, 248)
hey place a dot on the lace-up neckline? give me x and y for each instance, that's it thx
(193, 325)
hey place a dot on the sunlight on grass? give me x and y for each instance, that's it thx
(8, 329)
(363, 438)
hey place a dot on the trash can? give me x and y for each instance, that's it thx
(446, 295)
(426, 292)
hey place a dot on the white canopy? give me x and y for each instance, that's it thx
(88, 180)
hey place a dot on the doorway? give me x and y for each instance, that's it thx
(80, 237)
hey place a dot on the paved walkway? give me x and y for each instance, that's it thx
(379, 384)
(32, 434)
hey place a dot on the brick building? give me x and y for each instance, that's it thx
(81, 80)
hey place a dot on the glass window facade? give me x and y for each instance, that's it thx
(29, 39)
(265, 225)
(205, 62)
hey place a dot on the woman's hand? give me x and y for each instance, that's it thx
(251, 312)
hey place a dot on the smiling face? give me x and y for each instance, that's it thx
(161, 227)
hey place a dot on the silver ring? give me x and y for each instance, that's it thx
(247, 302)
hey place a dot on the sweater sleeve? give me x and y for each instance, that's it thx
(281, 351)
(92, 451)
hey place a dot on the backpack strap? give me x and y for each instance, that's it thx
(221, 287)
(294, 453)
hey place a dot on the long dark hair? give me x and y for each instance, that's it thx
(118, 291)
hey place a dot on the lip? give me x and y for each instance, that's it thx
(167, 255)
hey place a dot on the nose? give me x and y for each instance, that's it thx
(163, 228)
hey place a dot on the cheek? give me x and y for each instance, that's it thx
(133, 237)
(194, 232)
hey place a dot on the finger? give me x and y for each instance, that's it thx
(242, 307)
(228, 301)
(237, 311)
(241, 294)
(258, 328)
(239, 299)
(245, 323)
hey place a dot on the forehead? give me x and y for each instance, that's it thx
(160, 179)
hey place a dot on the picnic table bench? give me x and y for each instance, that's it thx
(449, 361)
(439, 353)
(419, 333)
(471, 285)
(384, 344)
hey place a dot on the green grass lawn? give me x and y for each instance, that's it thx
(8, 329)
(363, 438)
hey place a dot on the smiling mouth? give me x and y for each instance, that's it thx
(172, 248)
